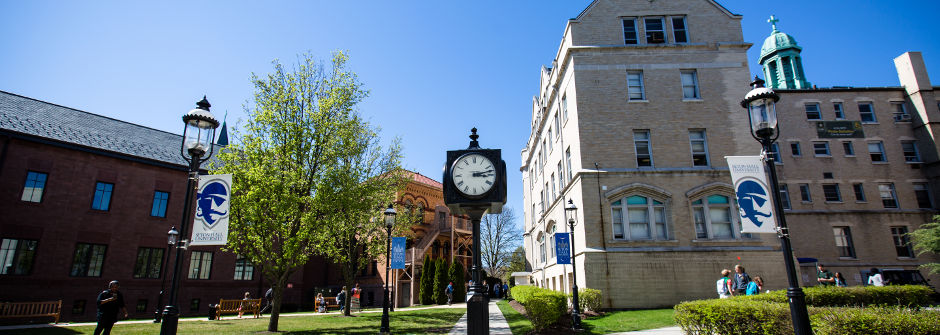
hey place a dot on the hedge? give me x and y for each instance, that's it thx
(589, 299)
(831, 296)
(879, 320)
(542, 306)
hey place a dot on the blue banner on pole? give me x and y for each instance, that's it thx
(398, 252)
(562, 248)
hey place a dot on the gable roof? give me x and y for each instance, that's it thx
(422, 179)
(58, 125)
(713, 2)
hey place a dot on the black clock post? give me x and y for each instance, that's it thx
(475, 184)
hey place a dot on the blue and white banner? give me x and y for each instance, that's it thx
(562, 248)
(210, 224)
(755, 198)
(398, 253)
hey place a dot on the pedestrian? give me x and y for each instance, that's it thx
(755, 286)
(723, 285)
(341, 299)
(824, 277)
(449, 291)
(875, 278)
(505, 290)
(321, 303)
(356, 293)
(268, 299)
(840, 281)
(496, 290)
(109, 302)
(740, 281)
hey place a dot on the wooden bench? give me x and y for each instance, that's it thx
(10, 310)
(330, 302)
(233, 306)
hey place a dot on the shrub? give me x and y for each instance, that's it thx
(589, 299)
(879, 320)
(522, 293)
(440, 282)
(826, 296)
(542, 306)
(427, 281)
(456, 275)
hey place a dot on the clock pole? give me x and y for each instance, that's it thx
(478, 316)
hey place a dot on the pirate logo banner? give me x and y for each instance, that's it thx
(755, 198)
(210, 226)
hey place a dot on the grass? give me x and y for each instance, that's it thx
(426, 321)
(612, 322)
(518, 323)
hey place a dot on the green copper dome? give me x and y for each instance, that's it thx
(777, 41)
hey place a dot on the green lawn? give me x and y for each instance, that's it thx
(426, 321)
(518, 323)
(613, 322)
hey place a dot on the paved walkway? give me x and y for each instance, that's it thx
(498, 324)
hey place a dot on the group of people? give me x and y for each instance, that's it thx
(827, 278)
(739, 284)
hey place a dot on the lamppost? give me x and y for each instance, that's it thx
(389, 223)
(762, 114)
(198, 134)
(171, 237)
(571, 212)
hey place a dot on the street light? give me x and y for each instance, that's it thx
(171, 237)
(198, 134)
(762, 114)
(389, 223)
(571, 212)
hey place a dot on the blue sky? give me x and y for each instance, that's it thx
(434, 68)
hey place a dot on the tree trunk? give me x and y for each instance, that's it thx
(276, 304)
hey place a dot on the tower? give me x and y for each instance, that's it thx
(780, 59)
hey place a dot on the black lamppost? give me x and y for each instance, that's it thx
(762, 114)
(198, 134)
(571, 212)
(171, 237)
(389, 223)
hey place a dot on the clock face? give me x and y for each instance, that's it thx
(473, 174)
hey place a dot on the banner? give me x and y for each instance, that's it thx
(755, 198)
(562, 248)
(398, 253)
(210, 225)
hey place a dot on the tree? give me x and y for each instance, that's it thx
(457, 275)
(427, 281)
(499, 235)
(440, 281)
(517, 263)
(295, 135)
(927, 239)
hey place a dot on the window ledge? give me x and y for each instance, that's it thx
(805, 202)
(900, 258)
(834, 202)
(861, 202)
(841, 258)
(823, 156)
(870, 122)
(850, 156)
(814, 120)
(917, 162)
(692, 100)
(637, 101)
(880, 163)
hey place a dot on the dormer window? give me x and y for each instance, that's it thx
(655, 30)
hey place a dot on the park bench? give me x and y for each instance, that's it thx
(9, 310)
(330, 303)
(232, 306)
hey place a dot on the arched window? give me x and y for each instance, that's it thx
(551, 241)
(713, 219)
(542, 247)
(639, 217)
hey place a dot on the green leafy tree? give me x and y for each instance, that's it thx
(457, 276)
(927, 239)
(440, 281)
(427, 281)
(517, 263)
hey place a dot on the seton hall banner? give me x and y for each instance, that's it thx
(210, 224)
(755, 198)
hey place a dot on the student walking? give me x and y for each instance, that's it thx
(723, 285)
(109, 302)
(341, 299)
(449, 291)
(823, 276)
(268, 300)
(875, 278)
(840, 281)
(755, 286)
(740, 281)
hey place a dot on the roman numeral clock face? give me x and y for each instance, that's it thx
(473, 175)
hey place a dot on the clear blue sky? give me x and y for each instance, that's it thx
(435, 68)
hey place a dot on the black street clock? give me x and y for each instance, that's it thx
(475, 178)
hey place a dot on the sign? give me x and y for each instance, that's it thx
(210, 226)
(398, 253)
(839, 129)
(562, 248)
(755, 198)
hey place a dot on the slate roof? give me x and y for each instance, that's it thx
(424, 179)
(26, 116)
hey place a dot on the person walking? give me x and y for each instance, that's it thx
(755, 286)
(740, 281)
(875, 278)
(839, 280)
(341, 299)
(723, 285)
(497, 290)
(268, 300)
(505, 291)
(109, 302)
(449, 291)
(823, 276)
(356, 293)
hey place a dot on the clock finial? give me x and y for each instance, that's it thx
(473, 139)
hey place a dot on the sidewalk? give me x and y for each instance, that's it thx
(498, 324)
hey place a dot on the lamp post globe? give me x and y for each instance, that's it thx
(760, 103)
(389, 223)
(571, 212)
(196, 148)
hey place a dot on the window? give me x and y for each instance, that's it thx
(655, 33)
(713, 218)
(544, 155)
(194, 305)
(889, 198)
(200, 264)
(645, 218)
(843, 237)
(641, 141)
(795, 148)
(568, 162)
(557, 126)
(159, 204)
(812, 112)
(689, 84)
(910, 151)
(804, 193)
(866, 112)
(679, 32)
(542, 247)
(542, 201)
(821, 148)
(922, 193)
(149, 263)
(840, 113)
(635, 89)
(551, 243)
(141, 305)
(877, 151)
(902, 243)
(244, 270)
(848, 148)
(775, 153)
(16, 256)
(699, 146)
(88, 260)
(547, 200)
(629, 31)
(551, 144)
(531, 178)
(561, 178)
(900, 113)
(784, 196)
(564, 106)
(35, 184)
(554, 193)
(102, 201)
(78, 307)
(831, 192)
(859, 191)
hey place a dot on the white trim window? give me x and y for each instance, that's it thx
(564, 106)
(644, 151)
(541, 240)
(568, 162)
(551, 242)
(639, 217)
(561, 179)
(699, 145)
(679, 31)
(689, 80)
(635, 89)
(712, 217)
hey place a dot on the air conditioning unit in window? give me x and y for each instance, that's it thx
(902, 117)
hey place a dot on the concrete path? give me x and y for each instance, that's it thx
(498, 324)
